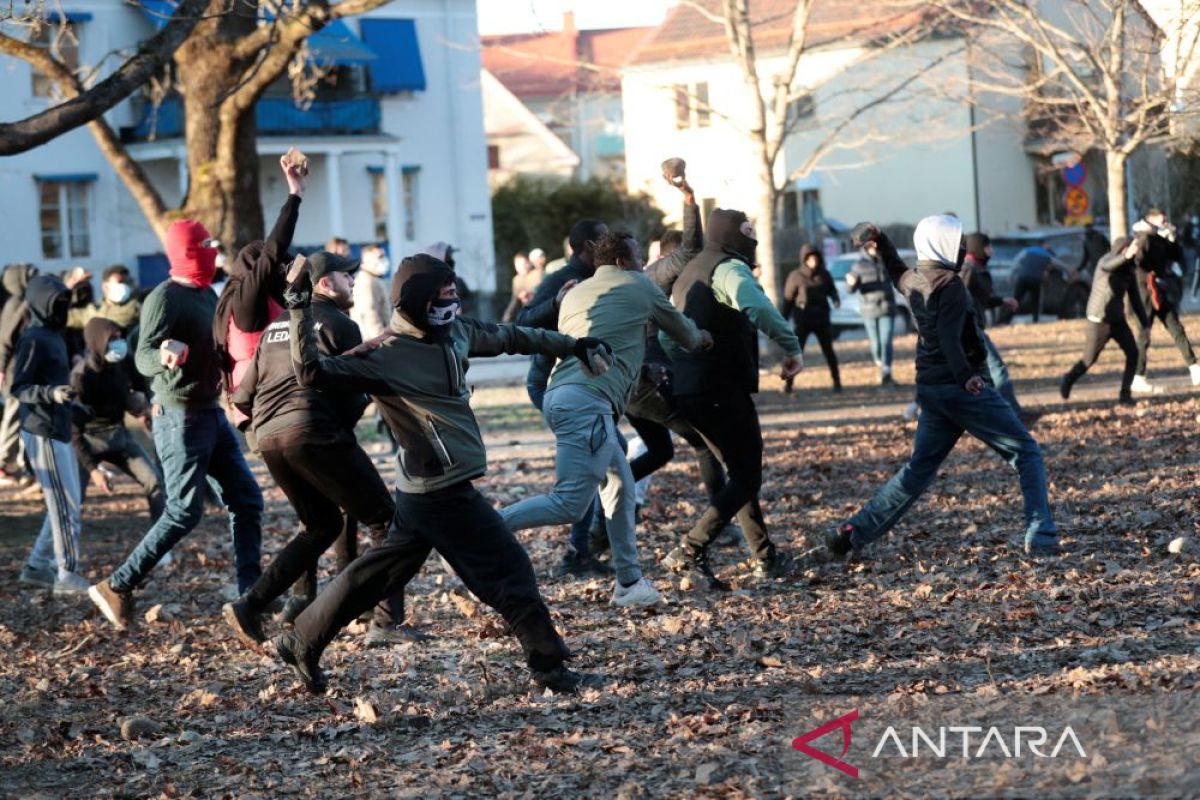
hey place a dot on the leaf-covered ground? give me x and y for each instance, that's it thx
(708, 690)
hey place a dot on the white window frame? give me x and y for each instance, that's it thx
(410, 192)
(73, 205)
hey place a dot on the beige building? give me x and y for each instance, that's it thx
(881, 135)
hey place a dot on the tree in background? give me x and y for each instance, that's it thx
(231, 53)
(538, 212)
(1110, 75)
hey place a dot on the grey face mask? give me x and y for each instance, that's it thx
(116, 352)
(441, 313)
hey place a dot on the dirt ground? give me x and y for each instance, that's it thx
(708, 690)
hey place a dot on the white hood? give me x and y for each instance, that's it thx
(938, 238)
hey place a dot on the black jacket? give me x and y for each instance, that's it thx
(949, 340)
(666, 270)
(541, 312)
(278, 405)
(876, 297)
(15, 315)
(259, 271)
(105, 392)
(979, 283)
(732, 363)
(1115, 280)
(808, 292)
(40, 362)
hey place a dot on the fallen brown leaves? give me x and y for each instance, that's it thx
(705, 686)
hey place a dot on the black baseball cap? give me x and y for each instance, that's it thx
(322, 262)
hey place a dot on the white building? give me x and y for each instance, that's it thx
(923, 151)
(398, 156)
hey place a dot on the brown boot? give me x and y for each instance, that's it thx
(117, 607)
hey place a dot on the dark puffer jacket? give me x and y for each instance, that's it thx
(15, 315)
(876, 297)
(808, 292)
(40, 363)
(1115, 280)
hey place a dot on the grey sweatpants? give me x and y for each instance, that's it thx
(588, 455)
(57, 470)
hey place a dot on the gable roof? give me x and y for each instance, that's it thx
(558, 62)
(688, 33)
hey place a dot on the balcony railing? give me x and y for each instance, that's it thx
(276, 116)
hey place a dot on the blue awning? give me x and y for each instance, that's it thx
(399, 66)
(337, 44)
(69, 177)
(157, 11)
(68, 16)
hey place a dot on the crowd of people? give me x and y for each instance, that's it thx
(293, 349)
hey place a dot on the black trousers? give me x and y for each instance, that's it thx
(1169, 317)
(1029, 286)
(823, 330)
(728, 421)
(321, 479)
(1098, 335)
(654, 416)
(463, 527)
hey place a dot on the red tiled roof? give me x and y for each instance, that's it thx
(554, 63)
(688, 33)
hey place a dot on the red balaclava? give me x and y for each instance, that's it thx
(189, 258)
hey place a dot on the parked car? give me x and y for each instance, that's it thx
(848, 317)
(1061, 296)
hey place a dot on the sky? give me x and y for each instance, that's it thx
(520, 16)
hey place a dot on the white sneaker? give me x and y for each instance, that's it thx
(70, 583)
(641, 593)
(1194, 369)
(1141, 385)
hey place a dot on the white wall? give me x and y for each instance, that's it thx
(907, 158)
(440, 130)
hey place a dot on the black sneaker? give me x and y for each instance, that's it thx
(561, 680)
(386, 635)
(246, 623)
(1046, 549)
(776, 565)
(1126, 400)
(293, 608)
(838, 542)
(683, 559)
(306, 666)
(579, 565)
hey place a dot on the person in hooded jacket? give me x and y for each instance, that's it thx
(978, 279)
(714, 388)
(1160, 284)
(877, 307)
(807, 294)
(252, 296)
(192, 434)
(953, 390)
(418, 377)
(41, 383)
(13, 320)
(307, 441)
(105, 391)
(1115, 280)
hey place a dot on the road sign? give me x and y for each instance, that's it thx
(1075, 175)
(1076, 202)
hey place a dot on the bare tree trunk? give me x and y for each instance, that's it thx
(1118, 220)
(764, 227)
(226, 200)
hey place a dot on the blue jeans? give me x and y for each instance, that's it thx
(194, 446)
(947, 411)
(589, 455)
(999, 372)
(879, 333)
(540, 367)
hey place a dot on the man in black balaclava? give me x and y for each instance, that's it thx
(41, 383)
(715, 388)
(418, 379)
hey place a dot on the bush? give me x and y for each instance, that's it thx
(538, 212)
